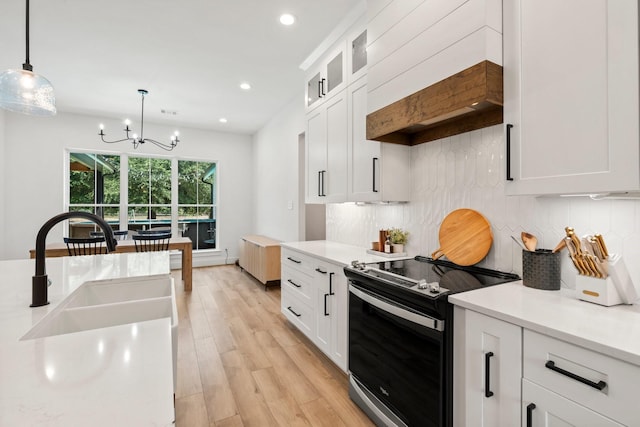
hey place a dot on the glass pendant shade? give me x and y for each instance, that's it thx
(23, 91)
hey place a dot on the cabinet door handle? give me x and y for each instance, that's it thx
(321, 271)
(296, 314)
(319, 183)
(508, 156)
(325, 304)
(375, 161)
(331, 284)
(294, 283)
(322, 86)
(600, 385)
(322, 180)
(294, 260)
(487, 374)
(530, 408)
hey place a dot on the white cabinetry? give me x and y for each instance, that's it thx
(377, 171)
(487, 370)
(314, 298)
(326, 138)
(327, 78)
(342, 165)
(571, 100)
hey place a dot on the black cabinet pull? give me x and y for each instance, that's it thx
(319, 270)
(322, 181)
(375, 161)
(508, 156)
(322, 86)
(294, 260)
(325, 304)
(600, 385)
(331, 283)
(294, 283)
(530, 408)
(296, 314)
(319, 183)
(487, 374)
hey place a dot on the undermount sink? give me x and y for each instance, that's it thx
(101, 304)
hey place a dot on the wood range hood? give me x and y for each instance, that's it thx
(469, 100)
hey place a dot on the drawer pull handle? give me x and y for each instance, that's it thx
(294, 260)
(294, 283)
(530, 408)
(487, 368)
(600, 385)
(325, 304)
(319, 270)
(296, 314)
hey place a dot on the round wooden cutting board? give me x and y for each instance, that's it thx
(465, 237)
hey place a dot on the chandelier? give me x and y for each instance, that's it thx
(24, 91)
(137, 140)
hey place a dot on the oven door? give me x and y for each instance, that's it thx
(396, 361)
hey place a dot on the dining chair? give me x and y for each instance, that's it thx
(118, 234)
(85, 245)
(152, 242)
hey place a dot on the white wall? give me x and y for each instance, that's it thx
(3, 204)
(468, 171)
(34, 173)
(275, 179)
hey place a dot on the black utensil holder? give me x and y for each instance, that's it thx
(541, 269)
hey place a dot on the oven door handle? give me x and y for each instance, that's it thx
(420, 319)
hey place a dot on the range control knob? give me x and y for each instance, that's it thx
(434, 287)
(422, 284)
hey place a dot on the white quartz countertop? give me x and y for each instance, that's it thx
(338, 253)
(614, 331)
(121, 375)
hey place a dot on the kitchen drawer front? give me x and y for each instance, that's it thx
(618, 379)
(297, 283)
(298, 261)
(298, 313)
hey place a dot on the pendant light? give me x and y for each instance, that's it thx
(23, 91)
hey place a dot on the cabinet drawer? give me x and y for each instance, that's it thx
(592, 379)
(297, 261)
(297, 283)
(298, 313)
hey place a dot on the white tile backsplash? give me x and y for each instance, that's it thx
(467, 171)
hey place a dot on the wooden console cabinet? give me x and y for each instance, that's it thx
(260, 257)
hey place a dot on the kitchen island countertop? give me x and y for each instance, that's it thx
(614, 331)
(120, 375)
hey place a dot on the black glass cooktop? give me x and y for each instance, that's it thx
(448, 275)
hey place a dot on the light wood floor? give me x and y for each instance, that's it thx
(240, 363)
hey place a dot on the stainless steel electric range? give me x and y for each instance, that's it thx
(401, 337)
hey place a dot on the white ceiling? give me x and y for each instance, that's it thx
(191, 55)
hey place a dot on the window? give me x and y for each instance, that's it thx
(94, 186)
(197, 202)
(96, 183)
(149, 185)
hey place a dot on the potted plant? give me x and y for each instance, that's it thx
(398, 239)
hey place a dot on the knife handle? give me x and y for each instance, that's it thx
(601, 244)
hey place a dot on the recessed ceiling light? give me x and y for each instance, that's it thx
(222, 120)
(245, 86)
(287, 19)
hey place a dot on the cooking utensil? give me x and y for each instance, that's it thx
(529, 240)
(465, 237)
(573, 255)
(601, 244)
(519, 242)
(560, 246)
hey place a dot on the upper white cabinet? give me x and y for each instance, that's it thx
(342, 165)
(377, 171)
(326, 139)
(327, 78)
(571, 102)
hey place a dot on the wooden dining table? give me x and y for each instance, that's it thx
(183, 244)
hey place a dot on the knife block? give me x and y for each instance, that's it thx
(613, 290)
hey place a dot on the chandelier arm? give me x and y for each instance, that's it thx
(166, 147)
(142, 119)
(113, 142)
